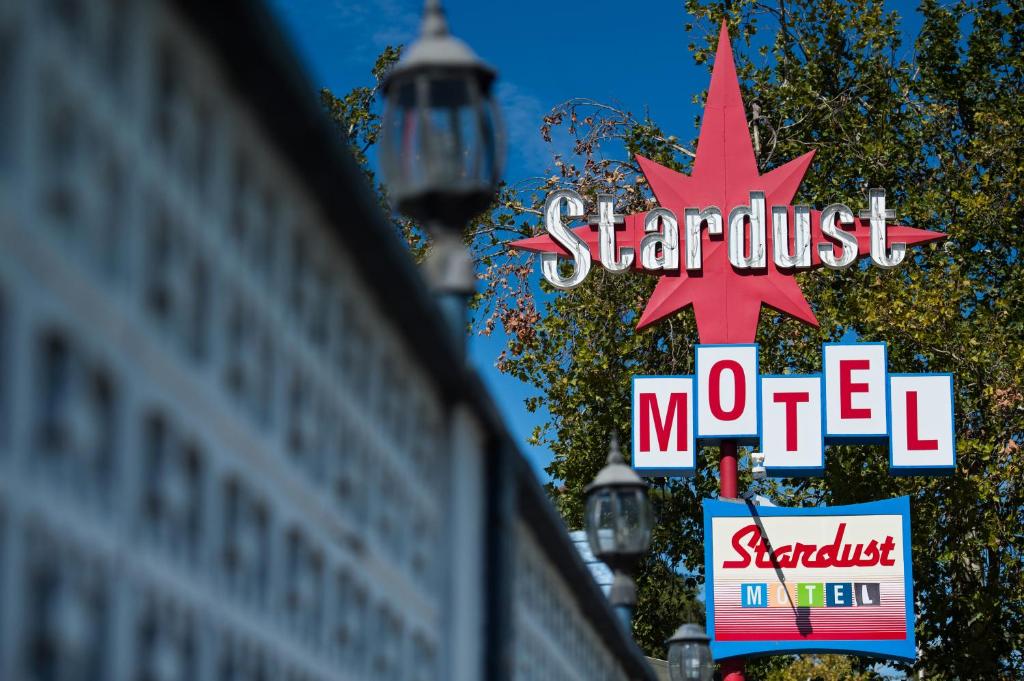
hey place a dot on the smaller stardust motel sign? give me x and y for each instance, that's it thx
(835, 579)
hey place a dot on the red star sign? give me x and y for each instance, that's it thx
(726, 301)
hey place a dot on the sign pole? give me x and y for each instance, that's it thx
(727, 470)
(732, 669)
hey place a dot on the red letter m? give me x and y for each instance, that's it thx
(663, 429)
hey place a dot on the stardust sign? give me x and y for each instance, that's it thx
(782, 580)
(725, 239)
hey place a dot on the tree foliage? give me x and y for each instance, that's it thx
(357, 117)
(934, 121)
(820, 668)
(356, 114)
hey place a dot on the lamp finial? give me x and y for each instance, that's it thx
(434, 24)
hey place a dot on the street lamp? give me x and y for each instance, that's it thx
(689, 656)
(618, 521)
(442, 148)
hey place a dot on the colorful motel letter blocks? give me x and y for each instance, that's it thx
(810, 595)
(792, 417)
(822, 579)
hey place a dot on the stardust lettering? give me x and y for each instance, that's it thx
(745, 230)
(749, 545)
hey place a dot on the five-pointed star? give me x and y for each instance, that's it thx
(726, 301)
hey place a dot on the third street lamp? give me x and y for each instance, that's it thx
(689, 656)
(618, 521)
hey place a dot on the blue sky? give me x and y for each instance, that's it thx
(545, 52)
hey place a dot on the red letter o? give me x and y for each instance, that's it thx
(714, 390)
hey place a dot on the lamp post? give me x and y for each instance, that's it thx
(689, 655)
(618, 522)
(442, 148)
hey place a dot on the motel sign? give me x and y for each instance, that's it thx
(725, 241)
(792, 417)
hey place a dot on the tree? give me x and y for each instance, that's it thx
(936, 124)
(358, 121)
(355, 114)
(820, 668)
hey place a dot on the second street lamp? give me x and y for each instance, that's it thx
(618, 522)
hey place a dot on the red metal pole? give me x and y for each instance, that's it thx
(727, 470)
(732, 669)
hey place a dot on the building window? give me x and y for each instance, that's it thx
(6, 375)
(303, 586)
(351, 470)
(240, 197)
(110, 242)
(388, 643)
(239, 362)
(169, 89)
(203, 143)
(62, 152)
(198, 310)
(343, 614)
(265, 241)
(3, 592)
(246, 543)
(71, 17)
(320, 308)
(159, 290)
(75, 422)
(165, 644)
(241, 662)
(9, 53)
(55, 384)
(358, 350)
(177, 287)
(265, 380)
(249, 369)
(358, 617)
(346, 472)
(65, 624)
(303, 428)
(117, 47)
(424, 659)
(393, 498)
(298, 274)
(342, 342)
(422, 545)
(172, 489)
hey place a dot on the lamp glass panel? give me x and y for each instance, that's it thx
(601, 522)
(633, 529)
(451, 140)
(401, 149)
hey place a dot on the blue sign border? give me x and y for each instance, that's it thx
(923, 470)
(864, 439)
(796, 471)
(901, 650)
(752, 439)
(664, 471)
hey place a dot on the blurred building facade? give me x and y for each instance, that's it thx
(235, 442)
